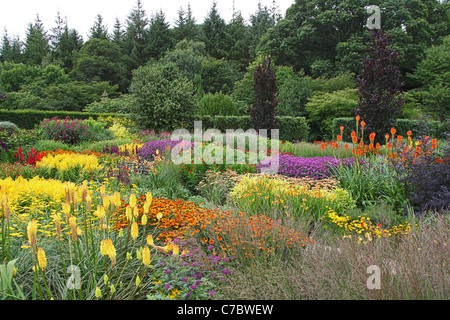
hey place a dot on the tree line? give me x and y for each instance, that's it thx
(315, 44)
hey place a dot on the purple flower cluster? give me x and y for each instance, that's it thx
(297, 167)
(67, 130)
(148, 150)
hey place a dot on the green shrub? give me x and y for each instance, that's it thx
(324, 107)
(217, 104)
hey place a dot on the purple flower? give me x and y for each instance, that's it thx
(185, 279)
(210, 247)
(167, 271)
(193, 286)
(212, 293)
(314, 167)
(167, 286)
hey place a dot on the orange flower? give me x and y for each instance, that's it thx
(388, 145)
(393, 131)
(346, 146)
(355, 139)
(387, 137)
(409, 133)
(363, 124)
(339, 137)
(322, 146)
(399, 139)
(372, 136)
(342, 129)
(377, 146)
(353, 134)
(357, 118)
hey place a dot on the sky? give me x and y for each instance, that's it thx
(15, 15)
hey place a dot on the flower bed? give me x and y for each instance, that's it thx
(315, 167)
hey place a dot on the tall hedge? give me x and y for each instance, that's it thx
(290, 128)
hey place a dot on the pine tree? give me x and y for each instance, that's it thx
(6, 48)
(36, 43)
(237, 42)
(185, 25)
(99, 30)
(136, 39)
(213, 33)
(160, 39)
(118, 33)
(260, 22)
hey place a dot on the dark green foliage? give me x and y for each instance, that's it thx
(100, 60)
(159, 36)
(213, 33)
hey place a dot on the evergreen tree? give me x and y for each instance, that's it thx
(237, 42)
(185, 25)
(56, 33)
(159, 33)
(213, 33)
(118, 33)
(6, 48)
(260, 22)
(136, 39)
(99, 30)
(36, 43)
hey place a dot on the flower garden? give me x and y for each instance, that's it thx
(87, 217)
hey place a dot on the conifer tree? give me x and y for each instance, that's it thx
(36, 43)
(213, 33)
(136, 40)
(99, 30)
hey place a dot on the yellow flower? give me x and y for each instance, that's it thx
(175, 249)
(138, 281)
(146, 256)
(159, 216)
(31, 232)
(107, 249)
(98, 292)
(150, 240)
(132, 200)
(42, 260)
(100, 213)
(134, 230)
(144, 220)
